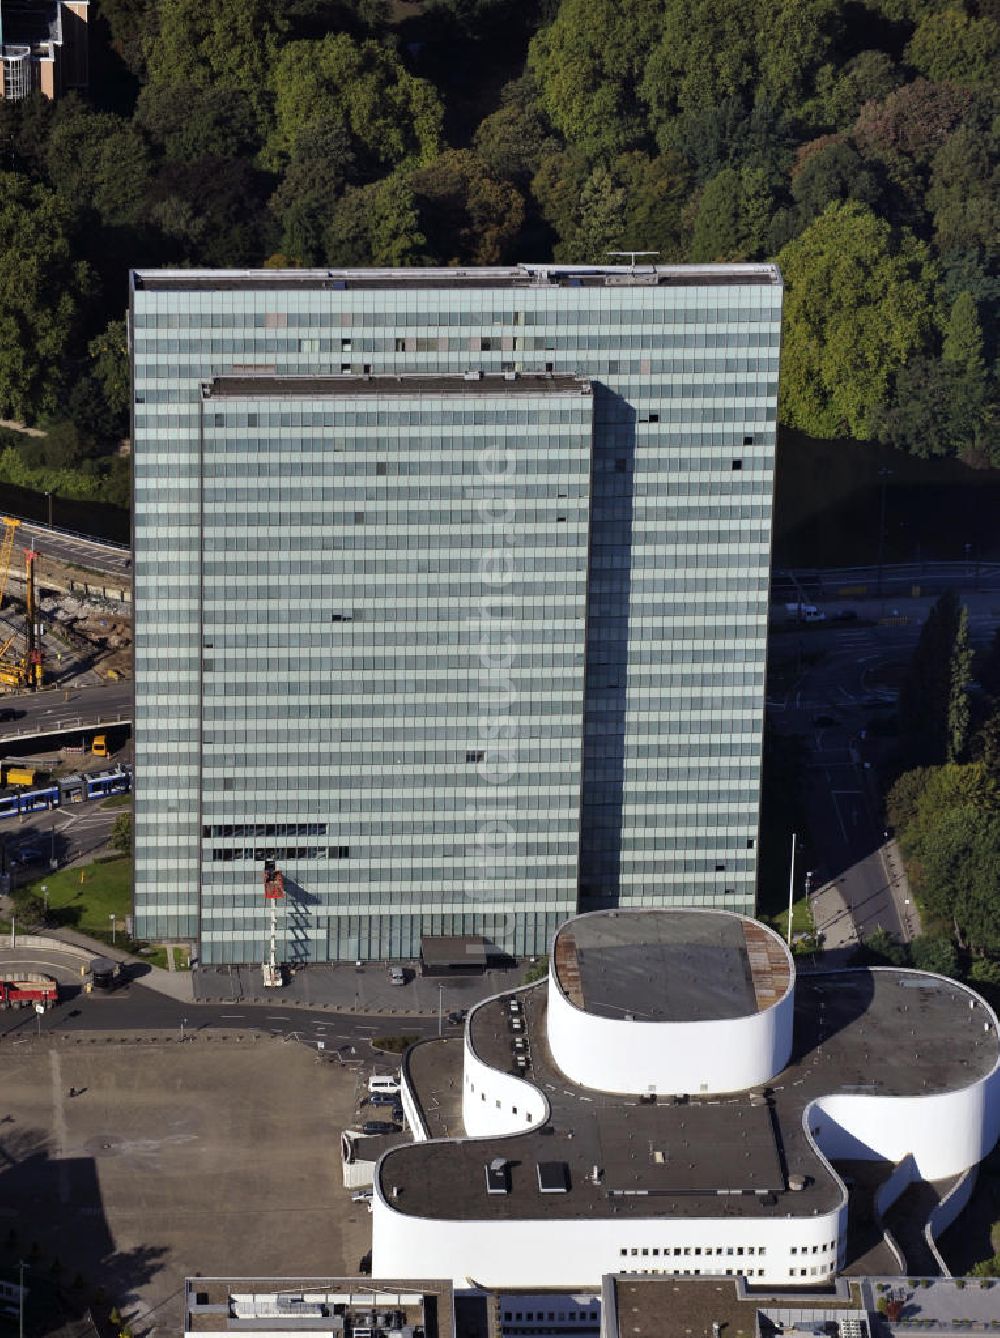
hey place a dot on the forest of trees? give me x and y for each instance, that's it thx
(853, 140)
(945, 802)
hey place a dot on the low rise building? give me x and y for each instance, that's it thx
(671, 1101)
(43, 47)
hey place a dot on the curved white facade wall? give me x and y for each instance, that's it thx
(495, 1102)
(614, 1055)
(574, 1252)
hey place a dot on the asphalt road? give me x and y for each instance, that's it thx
(63, 709)
(831, 704)
(139, 1009)
(75, 550)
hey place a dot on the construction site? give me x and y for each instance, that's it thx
(61, 624)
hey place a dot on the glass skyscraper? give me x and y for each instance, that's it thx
(451, 598)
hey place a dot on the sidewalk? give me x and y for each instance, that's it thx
(175, 984)
(344, 988)
(832, 917)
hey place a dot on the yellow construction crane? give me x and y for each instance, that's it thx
(26, 671)
(6, 552)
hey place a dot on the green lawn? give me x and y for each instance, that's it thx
(84, 898)
(117, 801)
(802, 919)
(182, 957)
(156, 955)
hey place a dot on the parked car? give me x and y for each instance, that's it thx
(372, 1127)
(384, 1099)
(361, 1196)
(457, 1017)
(397, 975)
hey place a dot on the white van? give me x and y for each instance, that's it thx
(383, 1082)
(805, 613)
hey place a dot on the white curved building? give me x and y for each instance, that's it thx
(671, 1100)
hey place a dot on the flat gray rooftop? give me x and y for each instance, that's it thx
(316, 387)
(248, 1304)
(515, 276)
(891, 1033)
(686, 967)
(695, 1304)
(670, 965)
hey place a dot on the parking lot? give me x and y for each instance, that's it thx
(175, 1158)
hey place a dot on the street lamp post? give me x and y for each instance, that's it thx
(49, 498)
(39, 1010)
(183, 1025)
(45, 898)
(114, 926)
(440, 1006)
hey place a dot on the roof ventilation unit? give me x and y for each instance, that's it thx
(497, 1176)
(553, 1177)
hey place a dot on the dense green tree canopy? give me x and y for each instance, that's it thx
(588, 64)
(394, 119)
(468, 216)
(951, 45)
(43, 289)
(98, 160)
(213, 44)
(377, 225)
(860, 143)
(858, 306)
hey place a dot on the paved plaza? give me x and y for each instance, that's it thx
(173, 1158)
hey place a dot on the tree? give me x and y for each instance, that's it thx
(215, 44)
(377, 225)
(393, 118)
(959, 678)
(935, 952)
(965, 186)
(98, 160)
(929, 710)
(934, 410)
(633, 201)
(43, 289)
(904, 796)
(733, 217)
(963, 337)
(949, 44)
(841, 91)
(512, 141)
(213, 211)
(588, 63)
(912, 122)
(467, 216)
(834, 172)
(859, 304)
(129, 24)
(193, 122)
(110, 368)
(121, 834)
(321, 166)
(881, 948)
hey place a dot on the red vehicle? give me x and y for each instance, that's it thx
(28, 987)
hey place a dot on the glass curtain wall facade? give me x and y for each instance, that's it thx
(401, 566)
(638, 541)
